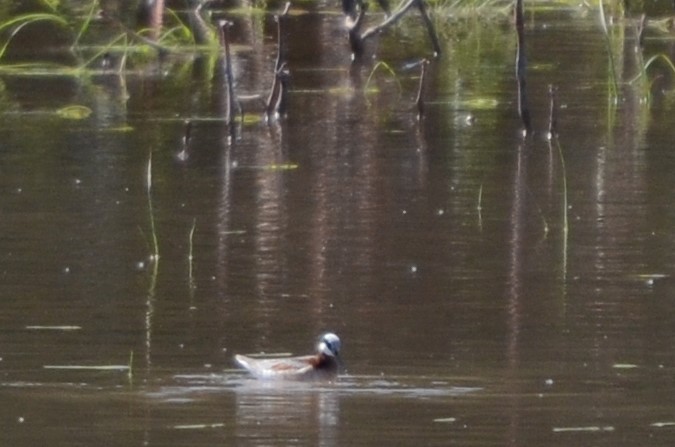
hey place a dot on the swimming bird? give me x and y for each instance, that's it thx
(323, 365)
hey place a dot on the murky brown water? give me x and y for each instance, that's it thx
(436, 250)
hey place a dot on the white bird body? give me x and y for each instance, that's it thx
(324, 365)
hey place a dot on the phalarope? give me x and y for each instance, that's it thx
(321, 366)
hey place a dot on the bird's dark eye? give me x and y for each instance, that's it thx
(330, 346)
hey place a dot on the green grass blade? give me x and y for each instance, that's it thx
(21, 21)
(87, 21)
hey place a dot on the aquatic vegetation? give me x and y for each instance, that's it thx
(613, 82)
(475, 8)
(84, 33)
(656, 58)
(16, 24)
(103, 43)
(74, 112)
(382, 66)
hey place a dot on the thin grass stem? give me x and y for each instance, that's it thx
(383, 65)
(613, 85)
(153, 229)
(22, 21)
(85, 25)
(102, 51)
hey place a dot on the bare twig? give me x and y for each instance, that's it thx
(420, 92)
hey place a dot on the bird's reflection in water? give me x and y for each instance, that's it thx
(284, 412)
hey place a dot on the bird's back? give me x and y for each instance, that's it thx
(309, 367)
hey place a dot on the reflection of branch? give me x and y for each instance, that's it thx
(154, 259)
(280, 104)
(231, 105)
(191, 279)
(565, 208)
(276, 99)
(553, 112)
(281, 39)
(521, 66)
(516, 267)
(149, 313)
(420, 92)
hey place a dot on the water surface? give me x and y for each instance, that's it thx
(486, 293)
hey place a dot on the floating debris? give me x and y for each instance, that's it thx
(649, 278)
(53, 328)
(89, 367)
(624, 366)
(445, 420)
(662, 424)
(273, 167)
(74, 112)
(477, 103)
(592, 428)
(199, 426)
